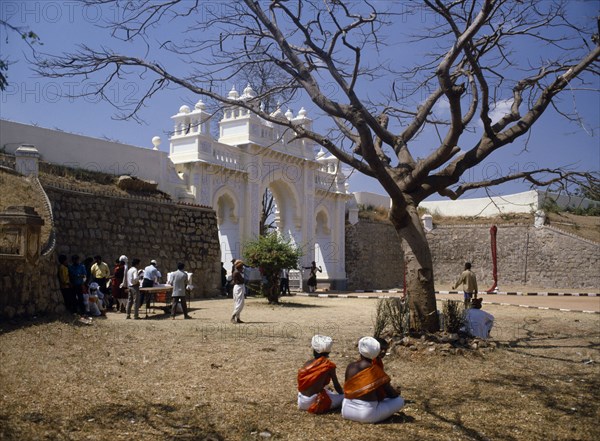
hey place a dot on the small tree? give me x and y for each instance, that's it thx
(271, 253)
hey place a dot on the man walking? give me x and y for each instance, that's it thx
(133, 290)
(239, 291)
(469, 282)
(179, 280)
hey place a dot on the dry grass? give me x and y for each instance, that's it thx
(587, 227)
(207, 379)
(17, 190)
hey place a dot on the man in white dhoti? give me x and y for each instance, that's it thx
(239, 291)
(478, 323)
(315, 375)
(368, 395)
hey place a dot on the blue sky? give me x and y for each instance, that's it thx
(61, 25)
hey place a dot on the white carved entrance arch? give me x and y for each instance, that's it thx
(251, 154)
(227, 208)
(324, 244)
(288, 213)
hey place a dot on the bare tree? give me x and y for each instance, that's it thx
(475, 53)
(24, 34)
(267, 222)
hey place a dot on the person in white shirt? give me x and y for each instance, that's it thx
(284, 285)
(179, 280)
(133, 290)
(150, 277)
(478, 323)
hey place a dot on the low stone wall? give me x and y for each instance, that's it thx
(29, 289)
(542, 257)
(89, 224)
(373, 256)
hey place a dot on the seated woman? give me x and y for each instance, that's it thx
(315, 375)
(369, 396)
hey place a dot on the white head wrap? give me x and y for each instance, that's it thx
(94, 285)
(123, 259)
(368, 347)
(321, 344)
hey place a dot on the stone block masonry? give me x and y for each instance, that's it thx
(89, 224)
(542, 257)
(374, 256)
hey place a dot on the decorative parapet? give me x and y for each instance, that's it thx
(27, 160)
(20, 231)
(48, 247)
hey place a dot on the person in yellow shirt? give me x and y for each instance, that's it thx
(100, 273)
(65, 284)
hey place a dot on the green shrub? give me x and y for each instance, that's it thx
(392, 314)
(271, 253)
(453, 312)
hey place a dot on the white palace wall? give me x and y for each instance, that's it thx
(77, 151)
(230, 175)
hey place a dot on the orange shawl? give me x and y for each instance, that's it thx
(366, 381)
(308, 375)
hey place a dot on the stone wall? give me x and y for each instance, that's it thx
(373, 256)
(88, 224)
(29, 289)
(541, 257)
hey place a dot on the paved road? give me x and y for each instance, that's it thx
(573, 303)
(556, 302)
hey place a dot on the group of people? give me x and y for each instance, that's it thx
(367, 395)
(84, 284)
(88, 288)
(478, 323)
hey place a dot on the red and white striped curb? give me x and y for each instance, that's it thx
(518, 293)
(356, 296)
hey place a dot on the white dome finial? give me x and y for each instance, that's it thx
(289, 114)
(184, 109)
(233, 94)
(249, 92)
(302, 113)
(156, 141)
(277, 110)
(200, 105)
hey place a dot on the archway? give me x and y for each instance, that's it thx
(287, 214)
(229, 229)
(324, 244)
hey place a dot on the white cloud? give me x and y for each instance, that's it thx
(500, 109)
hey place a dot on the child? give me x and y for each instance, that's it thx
(92, 300)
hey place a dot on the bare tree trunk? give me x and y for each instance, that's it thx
(419, 268)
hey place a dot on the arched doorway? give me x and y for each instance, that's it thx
(287, 214)
(324, 244)
(229, 228)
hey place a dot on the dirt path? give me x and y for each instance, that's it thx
(206, 379)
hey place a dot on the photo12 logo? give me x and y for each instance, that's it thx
(51, 92)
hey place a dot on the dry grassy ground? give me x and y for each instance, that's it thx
(158, 379)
